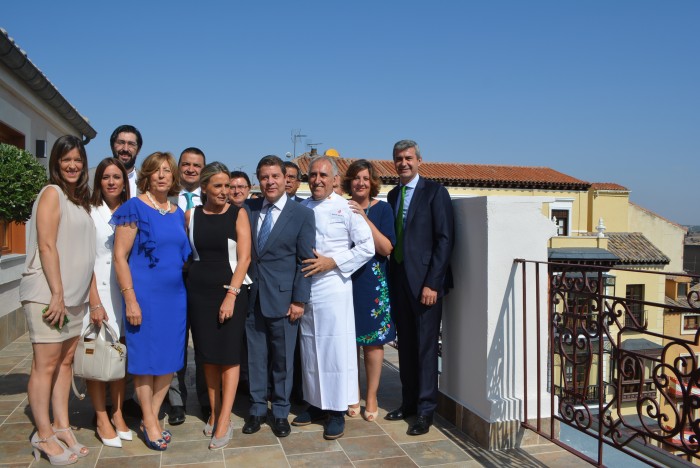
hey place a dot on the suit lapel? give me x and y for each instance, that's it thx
(418, 193)
(282, 220)
(255, 215)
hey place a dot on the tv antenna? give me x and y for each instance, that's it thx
(296, 135)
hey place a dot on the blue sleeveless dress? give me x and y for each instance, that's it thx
(161, 247)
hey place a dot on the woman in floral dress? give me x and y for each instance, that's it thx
(373, 324)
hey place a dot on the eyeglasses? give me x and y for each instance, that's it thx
(130, 144)
(239, 188)
(292, 177)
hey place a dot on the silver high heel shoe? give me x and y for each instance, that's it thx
(77, 447)
(224, 441)
(208, 429)
(65, 458)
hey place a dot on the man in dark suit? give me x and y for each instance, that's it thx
(283, 234)
(292, 181)
(419, 278)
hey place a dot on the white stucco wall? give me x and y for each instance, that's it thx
(482, 365)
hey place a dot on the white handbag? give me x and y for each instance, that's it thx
(103, 358)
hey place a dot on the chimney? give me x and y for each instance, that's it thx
(314, 152)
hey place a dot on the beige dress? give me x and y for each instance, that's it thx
(75, 243)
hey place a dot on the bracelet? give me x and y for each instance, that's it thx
(230, 288)
(231, 291)
(93, 308)
(126, 289)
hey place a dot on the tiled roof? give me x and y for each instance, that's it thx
(632, 248)
(16, 60)
(683, 300)
(470, 175)
(608, 186)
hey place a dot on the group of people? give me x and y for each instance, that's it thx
(179, 247)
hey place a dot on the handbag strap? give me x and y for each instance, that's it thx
(80, 396)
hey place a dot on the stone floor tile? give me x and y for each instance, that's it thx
(145, 461)
(16, 432)
(320, 460)
(268, 457)
(397, 431)
(393, 462)
(8, 406)
(372, 447)
(307, 442)
(361, 428)
(17, 452)
(434, 453)
(190, 452)
(200, 465)
(14, 383)
(263, 437)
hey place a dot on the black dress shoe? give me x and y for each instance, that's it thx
(281, 427)
(421, 426)
(176, 415)
(252, 424)
(399, 414)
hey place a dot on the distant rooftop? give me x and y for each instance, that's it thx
(611, 186)
(469, 175)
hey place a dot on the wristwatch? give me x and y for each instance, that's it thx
(232, 288)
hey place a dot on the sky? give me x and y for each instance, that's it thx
(601, 90)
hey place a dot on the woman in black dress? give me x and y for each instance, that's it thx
(217, 294)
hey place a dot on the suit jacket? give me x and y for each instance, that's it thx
(298, 199)
(428, 237)
(276, 270)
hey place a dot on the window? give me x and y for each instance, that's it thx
(11, 234)
(635, 292)
(690, 323)
(562, 221)
(634, 381)
(682, 289)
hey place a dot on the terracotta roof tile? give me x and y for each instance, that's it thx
(470, 175)
(632, 248)
(608, 186)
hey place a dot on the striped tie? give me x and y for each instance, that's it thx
(265, 228)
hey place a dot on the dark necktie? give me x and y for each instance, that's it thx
(398, 249)
(265, 228)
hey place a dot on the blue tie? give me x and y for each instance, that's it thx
(190, 203)
(265, 228)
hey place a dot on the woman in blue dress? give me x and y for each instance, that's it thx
(373, 324)
(150, 248)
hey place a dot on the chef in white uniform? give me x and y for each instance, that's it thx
(328, 348)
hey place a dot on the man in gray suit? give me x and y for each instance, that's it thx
(283, 234)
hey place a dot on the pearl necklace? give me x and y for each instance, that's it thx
(162, 211)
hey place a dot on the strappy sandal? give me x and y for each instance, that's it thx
(77, 447)
(370, 416)
(67, 457)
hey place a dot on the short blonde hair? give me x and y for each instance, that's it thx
(151, 165)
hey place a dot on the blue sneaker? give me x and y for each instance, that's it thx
(335, 428)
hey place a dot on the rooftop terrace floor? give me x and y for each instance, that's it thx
(380, 443)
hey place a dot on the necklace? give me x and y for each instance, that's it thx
(162, 211)
(369, 206)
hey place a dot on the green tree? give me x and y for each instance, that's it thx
(21, 179)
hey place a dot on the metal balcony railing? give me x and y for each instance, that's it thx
(617, 369)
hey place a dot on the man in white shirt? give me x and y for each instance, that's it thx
(328, 342)
(126, 143)
(190, 165)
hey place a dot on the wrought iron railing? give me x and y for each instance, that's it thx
(628, 379)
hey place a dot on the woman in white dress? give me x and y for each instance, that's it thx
(110, 191)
